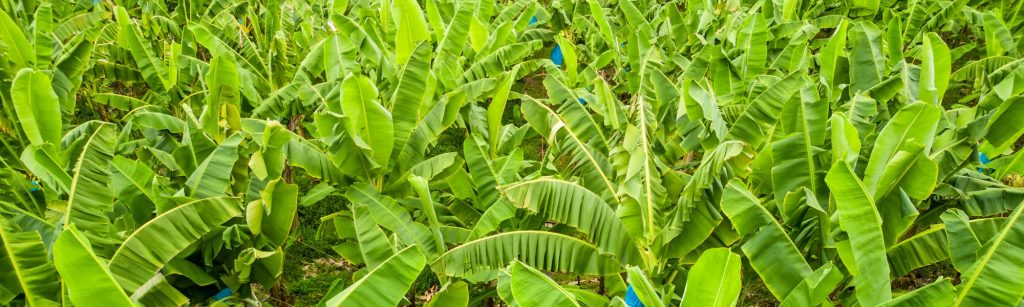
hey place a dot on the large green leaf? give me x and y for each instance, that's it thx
(212, 177)
(643, 287)
(412, 29)
(769, 250)
(540, 249)
(457, 33)
(157, 75)
(714, 280)
(1004, 128)
(86, 277)
(642, 182)
(222, 95)
(70, 67)
(866, 60)
(413, 94)
(815, 288)
(752, 40)
(219, 41)
(937, 294)
(571, 204)
(366, 120)
(384, 285)
(935, 69)
(152, 246)
(427, 204)
(388, 214)
(307, 156)
(996, 279)
(962, 242)
(132, 183)
(496, 109)
(829, 57)
(695, 219)
(930, 246)
(37, 107)
(998, 38)
(279, 203)
(914, 123)
(29, 260)
(573, 134)
(763, 112)
(863, 7)
(46, 163)
(455, 294)
(16, 45)
(794, 157)
(373, 244)
(603, 24)
(532, 288)
(91, 199)
(440, 116)
(486, 176)
(859, 218)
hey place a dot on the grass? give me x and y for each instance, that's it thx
(754, 292)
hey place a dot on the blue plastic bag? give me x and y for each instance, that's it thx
(533, 20)
(983, 158)
(631, 299)
(223, 294)
(556, 56)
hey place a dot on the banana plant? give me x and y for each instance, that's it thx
(672, 152)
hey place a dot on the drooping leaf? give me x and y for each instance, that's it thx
(384, 285)
(544, 250)
(770, 251)
(34, 273)
(859, 218)
(763, 112)
(91, 199)
(995, 278)
(17, 47)
(914, 123)
(937, 294)
(373, 244)
(212, 177)
(866, 60)
(413, 92)
(154, 244)
(532, 288)
(150, 65)
(279, 200)
(86, 277)
(1004, 127)
(571, 204)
